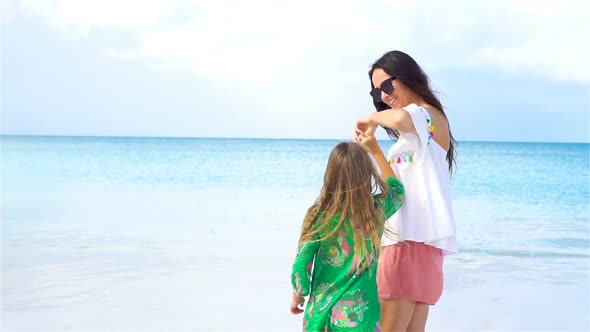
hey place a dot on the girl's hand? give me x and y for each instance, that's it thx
(297, 304)
(370, 142)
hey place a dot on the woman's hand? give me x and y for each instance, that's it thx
(365, 125)
(297, 304)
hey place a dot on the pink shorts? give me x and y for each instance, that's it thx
(410, 270)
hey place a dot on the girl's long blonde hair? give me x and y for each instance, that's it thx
(350, 182)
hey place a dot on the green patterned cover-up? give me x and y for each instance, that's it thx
(339, 298)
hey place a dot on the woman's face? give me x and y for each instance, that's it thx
(395, 99)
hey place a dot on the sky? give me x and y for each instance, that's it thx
(506, 71)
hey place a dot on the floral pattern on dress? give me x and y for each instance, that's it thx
(338, 298)
(349, 312)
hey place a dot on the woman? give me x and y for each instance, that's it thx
(416, 238)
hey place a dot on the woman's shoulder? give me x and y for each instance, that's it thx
(435, 113)
(440, 124)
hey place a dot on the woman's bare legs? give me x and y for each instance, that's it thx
(419, 316)
(396, 314)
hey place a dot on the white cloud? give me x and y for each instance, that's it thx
(6, 10)
(550, 40)
(78, 17)
(541, 37)
(260, 40)
(263, 39)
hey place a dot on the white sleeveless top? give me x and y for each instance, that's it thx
(421, 166)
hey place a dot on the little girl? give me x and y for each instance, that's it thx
(340, 239)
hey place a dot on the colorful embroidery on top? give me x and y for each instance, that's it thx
(429, 124)
(403, 157)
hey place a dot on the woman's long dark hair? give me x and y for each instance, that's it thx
(405, 69)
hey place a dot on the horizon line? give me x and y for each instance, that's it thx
(263, 138)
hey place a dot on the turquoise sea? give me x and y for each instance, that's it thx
(174, 234)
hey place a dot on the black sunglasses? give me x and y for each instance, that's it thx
(386, 87)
